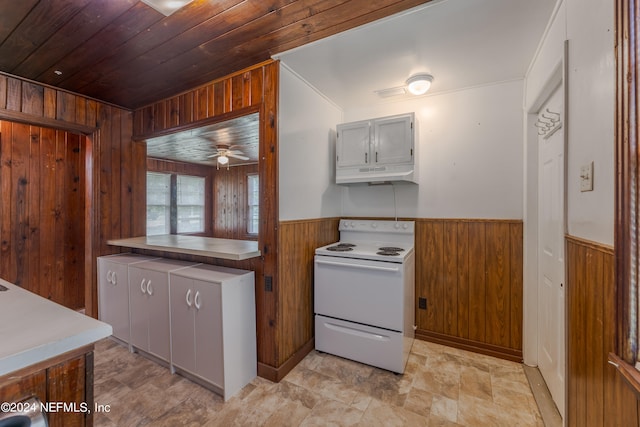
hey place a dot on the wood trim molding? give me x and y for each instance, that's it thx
(470, 345)
(277, 374)
(630, 374)
(590, 244)
(30, 119)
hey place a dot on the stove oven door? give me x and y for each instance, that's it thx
(362, 291)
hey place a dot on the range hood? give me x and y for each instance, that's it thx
(377, 175)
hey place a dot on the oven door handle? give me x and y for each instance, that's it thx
(364, 267)
(356, 332)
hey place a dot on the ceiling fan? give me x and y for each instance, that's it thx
(224, 151)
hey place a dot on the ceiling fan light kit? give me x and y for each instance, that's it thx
(167, 7)
(419, 84)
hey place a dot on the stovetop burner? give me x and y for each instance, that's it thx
(388, 253)
(341, 247)
(390, 249)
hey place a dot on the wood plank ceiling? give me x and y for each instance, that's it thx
(126, 53)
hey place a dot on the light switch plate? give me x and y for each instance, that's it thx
(586, 177)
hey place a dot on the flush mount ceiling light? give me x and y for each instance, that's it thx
(167, 7)
(419, 84)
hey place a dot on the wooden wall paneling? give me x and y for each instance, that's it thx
(50, 103)
(66, 383)
(450, 278)
(7, 199)
(47, 213)
(66, 107)
(14, 94)
(32, 99)
(127, 171)
(3, 92)
(34, 196)
(257, 77)
(115, 184)
(57, 291)
(516, 289)
(75, 182)
(477, 281)
(19, 214)
(463, 279)
(218, 105)
(498, 276)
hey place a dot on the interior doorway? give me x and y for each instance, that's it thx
(551, 229)
(43, 216)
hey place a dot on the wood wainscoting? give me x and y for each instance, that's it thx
(298, 241)
(470, 272)
(597, 394)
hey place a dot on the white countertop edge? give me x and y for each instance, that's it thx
(135, 243)
(49, 350)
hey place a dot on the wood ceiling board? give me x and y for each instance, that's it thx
(81, 27)
(13, 12)
(135, 56)
(43, 20)
(197, 145)
(95, 50)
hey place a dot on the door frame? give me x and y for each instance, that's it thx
(556, 77)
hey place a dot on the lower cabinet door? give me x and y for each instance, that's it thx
(208, 332)
(159, 325)
(182, 326)
(138, 301)
(113, 297)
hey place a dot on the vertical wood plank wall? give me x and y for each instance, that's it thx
(298, 241)
(230, 219)
(597, 395)
(470, 272)
(113, 160)
(245, 92)
(42, 176)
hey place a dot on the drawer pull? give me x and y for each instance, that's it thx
(149, 288)
(196, 300)
(142, 288)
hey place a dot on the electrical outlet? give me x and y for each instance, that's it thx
(268, 283)
(422, 303)
(586, 177)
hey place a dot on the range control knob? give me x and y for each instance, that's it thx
(374, 225)
(396, 226)
(405, 226)
(353, 224)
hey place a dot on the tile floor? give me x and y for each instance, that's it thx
(442, 386)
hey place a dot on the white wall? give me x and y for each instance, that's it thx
(306, 151)
(469, 145)
(588, 25)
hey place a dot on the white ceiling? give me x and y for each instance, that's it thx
(462, 43)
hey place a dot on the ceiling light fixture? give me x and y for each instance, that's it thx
(419, 84)
(223, 160)
(167, 7)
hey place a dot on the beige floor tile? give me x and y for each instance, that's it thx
(441, 386)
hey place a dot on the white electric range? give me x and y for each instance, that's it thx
(364, 293)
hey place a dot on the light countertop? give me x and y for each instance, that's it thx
(193, 245)
(34, 329)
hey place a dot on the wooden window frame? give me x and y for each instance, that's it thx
(627, 193)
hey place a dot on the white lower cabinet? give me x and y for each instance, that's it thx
(149, 306)
(213, 326)
(113, 291)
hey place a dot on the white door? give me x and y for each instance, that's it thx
(551, 228)
(182, 330)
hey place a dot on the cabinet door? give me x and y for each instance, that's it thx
(352, 145)
(113, 297)
(182, 323)
(138, 299)
(208, 332)
(158, 302)
(393, 140)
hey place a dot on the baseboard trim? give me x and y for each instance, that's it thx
(277, 374)
(470, 345)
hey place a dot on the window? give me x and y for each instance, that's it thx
(175, 204)
(158, 203)
(253, 200)
(190, 204)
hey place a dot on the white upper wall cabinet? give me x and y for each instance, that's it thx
(376, 150)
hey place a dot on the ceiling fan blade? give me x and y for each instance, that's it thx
(213, 155)
(237, 156)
